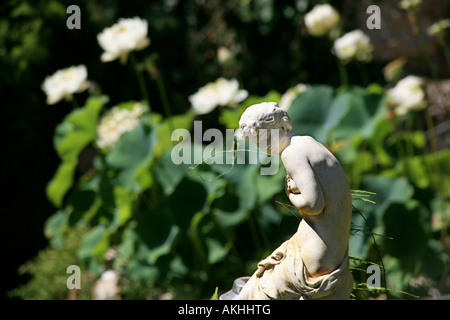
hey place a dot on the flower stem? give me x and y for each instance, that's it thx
(163, 95)
(409, 131)
(74, 102)
(365, 79)
(447, 53)
(141, 81)
(399, 146)
(156, 76)
(343, 74)
(408, 139)
(165, 102)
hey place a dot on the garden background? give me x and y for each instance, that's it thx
(186, 235)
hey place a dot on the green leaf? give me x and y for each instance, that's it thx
(376, 110)
(347, 115)
(213, 184)
(54, 228)
(81, 203)
(399, 272)
(270, 218)
(418, 172)
(141, 271)
(216, 250)
(165, 247)
(269, 185)
(77, 130)
(94, 244)
(215, 295)
(377, 141)
(61, 182)
(156, 234)
(309, 111)
(388, 191)
(360, 243)
(123, 209)
(165, 130)
(126, 247)
(428, 168)
(409, 228)
(130, 150)
(363, 112)
(167, 173)
(131, 157)
(434, 259)
(188, 199)
(241, 194)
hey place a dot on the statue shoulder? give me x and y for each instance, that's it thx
(299, 147)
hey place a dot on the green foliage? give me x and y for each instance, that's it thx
(77, 130)
(188, 229)
(47, 272)
(215, 296)
(182, 223)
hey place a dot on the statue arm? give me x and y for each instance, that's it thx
(310, 200)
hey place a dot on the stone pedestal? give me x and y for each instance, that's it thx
(237, 287)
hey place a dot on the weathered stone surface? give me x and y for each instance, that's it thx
(314, 262)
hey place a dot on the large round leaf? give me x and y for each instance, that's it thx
(409, 229)
(78, 129)
(131, 156)
(310, 111)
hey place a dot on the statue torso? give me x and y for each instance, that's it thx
(323, 238)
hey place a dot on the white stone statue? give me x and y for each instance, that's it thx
(314, 262)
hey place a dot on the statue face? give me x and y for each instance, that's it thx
(272, 140)
(267, 126)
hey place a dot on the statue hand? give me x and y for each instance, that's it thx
(290, 186)
(287, 185)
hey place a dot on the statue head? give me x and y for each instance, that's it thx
(266, 125)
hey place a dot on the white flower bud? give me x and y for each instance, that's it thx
(407, 95)
(116, 122)
(122, 38)
(353, 45)
(222, 92)
(64, 83)
(224, 55)
(321, 19)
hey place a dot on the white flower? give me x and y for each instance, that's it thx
(106, 287)
(288, 97)
(409, 4)
(64, 83)
(438, 27)
(407, 95)
(224, 56)
(222, 92)
(116, 122)
(321, 19)
(353, 45)
(122, 38)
